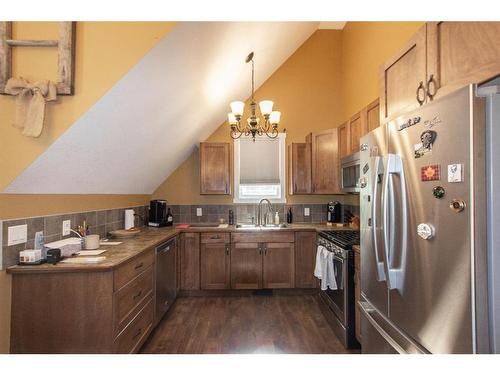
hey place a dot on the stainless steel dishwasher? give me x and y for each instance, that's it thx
(166, 278)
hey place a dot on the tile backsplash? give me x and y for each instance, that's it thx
(103, 221)
(99, 222)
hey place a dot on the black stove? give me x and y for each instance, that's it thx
(342, 238)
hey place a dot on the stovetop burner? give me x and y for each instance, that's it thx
(343, 238)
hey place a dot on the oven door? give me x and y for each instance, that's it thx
(336, 299)
(350, 173)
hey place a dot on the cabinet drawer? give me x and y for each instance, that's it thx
(136, 332)
(132, 268)
(263, 237)
(129, 298)
(215, 238)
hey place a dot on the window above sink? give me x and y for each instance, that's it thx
(259, 169)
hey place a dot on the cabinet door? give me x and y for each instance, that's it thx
(299, 164)
(190, 261)
(215, 263)
(372, 116)
(325, 162)
(357, 126)
(246, 266)
(305, 260)
(343, 140)
(215, 168)
(402, 78)
(357, 295)
(278, 269)
(459, 53)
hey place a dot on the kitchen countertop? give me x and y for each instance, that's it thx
(356, 248)
(148, 239)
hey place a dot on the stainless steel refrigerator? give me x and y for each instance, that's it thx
(424, 200)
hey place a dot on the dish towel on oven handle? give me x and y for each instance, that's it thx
(324, 269)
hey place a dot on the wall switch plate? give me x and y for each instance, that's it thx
(198, 211)
(17, 234)
(66, 226)
(307, 212)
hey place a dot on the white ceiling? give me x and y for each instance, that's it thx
(149, 122)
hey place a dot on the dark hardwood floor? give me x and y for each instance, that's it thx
(248, 324)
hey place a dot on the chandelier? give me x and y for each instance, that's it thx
(252, 127)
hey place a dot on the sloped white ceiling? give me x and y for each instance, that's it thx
(150, 121)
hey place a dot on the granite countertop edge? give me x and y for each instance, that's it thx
(148, 239)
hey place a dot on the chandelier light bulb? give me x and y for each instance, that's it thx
(275, 117)
(266, 107)
(231, 118)
(237, 108)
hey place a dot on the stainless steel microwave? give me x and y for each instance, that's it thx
(349, 173)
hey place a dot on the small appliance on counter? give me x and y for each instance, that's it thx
(158, 213)
(334, 212)
(30, 257)
(53, 256)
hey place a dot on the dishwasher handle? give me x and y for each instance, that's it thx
(165, 247)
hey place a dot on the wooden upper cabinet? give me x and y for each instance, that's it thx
(299, 167)
(325, 162)
(403, 78)
(459, 53)
(343, 140)
(357, 128)
(372, 116)
(215, 168)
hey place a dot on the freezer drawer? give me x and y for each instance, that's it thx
(381, 337)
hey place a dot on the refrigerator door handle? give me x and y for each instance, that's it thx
(395, 276)
(378, 169)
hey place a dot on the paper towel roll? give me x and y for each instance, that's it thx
(129, 219)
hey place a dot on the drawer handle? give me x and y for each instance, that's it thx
(216, 237)
(138, 294)
(227, 249)
(139, 331)
(138, 266)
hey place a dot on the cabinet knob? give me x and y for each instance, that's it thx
(431, 82)
(227, 249)
(420, 88)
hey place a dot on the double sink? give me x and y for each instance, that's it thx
(244, 226)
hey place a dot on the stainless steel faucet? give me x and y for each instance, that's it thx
(269, 209)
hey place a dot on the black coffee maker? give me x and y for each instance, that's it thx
(157, 213)
(334, 212)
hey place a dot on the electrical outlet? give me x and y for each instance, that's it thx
(199, 211)
(17, 234)
(66, 226)
(307, 212)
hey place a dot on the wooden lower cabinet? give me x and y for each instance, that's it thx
(246, 265)
(84, 311)
(357, 294)
(278, 265)
(190, 261)
(305, 260)
(215, 261)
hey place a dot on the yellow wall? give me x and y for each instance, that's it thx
(307, 91)
(105, 51)
(365, 46)
(329, 78)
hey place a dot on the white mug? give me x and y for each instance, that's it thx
(91, 242)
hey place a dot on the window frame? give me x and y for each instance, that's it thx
(282, 170)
